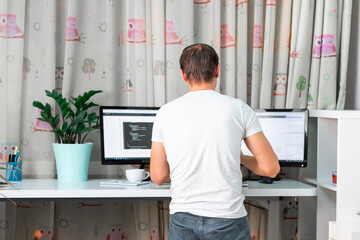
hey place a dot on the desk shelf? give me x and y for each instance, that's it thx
(322, 183)
(334, 140)
(328, 185)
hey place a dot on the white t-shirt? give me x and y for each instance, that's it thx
(202, 132)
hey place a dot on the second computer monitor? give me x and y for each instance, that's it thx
(286, 130)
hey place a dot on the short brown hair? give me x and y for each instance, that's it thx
(199, 62)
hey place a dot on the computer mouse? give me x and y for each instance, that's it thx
(266, 180)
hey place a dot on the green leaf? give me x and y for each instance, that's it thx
(92, 116)
(65, 112)
(52, 121)
(64, 127)
(63, 105)
(42, 119)
(47, 109)
(80, 100)
(55, 94)
(38, 105)
(90, 105)
(57, 120)
(87, 129)
(80, 127)
(58, 132)
(79, 117)
(44, 116)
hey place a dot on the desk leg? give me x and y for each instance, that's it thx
(273, 217)
(273, 221)
(2, 219)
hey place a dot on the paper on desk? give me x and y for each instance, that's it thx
(121, 183)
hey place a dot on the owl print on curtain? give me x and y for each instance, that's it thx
(324, 46)
(44, 233)
(280, 84)
(136, 31)
(226, 39)
(328, 47)
(154, 234)
(72, 33)
(257, 36)
(59, 77)
(291, 210)
(8, 26)
(116, 233)
(6, 149)
(41, 126)
(171, 36)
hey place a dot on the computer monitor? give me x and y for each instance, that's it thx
(126, 134)
(286, 130)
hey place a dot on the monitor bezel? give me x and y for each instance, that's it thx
(284, 163)
(128, 161)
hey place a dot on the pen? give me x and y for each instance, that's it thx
(15, 151)
(16, 157)
(5, 158)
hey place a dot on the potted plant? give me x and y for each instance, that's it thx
(71, 127)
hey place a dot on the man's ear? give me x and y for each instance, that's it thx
(217, 71)
(183, 75)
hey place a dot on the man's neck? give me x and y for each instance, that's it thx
(202, 86)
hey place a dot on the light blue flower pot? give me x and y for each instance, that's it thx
(72, 161)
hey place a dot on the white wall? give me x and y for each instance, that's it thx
(353, 81)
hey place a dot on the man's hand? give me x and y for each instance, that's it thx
(159, 167)
(265, 161)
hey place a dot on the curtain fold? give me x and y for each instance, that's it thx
(345, 45)
(12, 24)
(282, 47)
(297, 88)
(268, 59)
(257, 46)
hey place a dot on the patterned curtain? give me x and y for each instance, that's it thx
(273, 54)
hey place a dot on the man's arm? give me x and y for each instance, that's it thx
(265, 161)
(159, 167)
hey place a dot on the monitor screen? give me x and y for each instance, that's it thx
(286, 130)
(126, 134)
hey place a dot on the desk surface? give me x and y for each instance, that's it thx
(51, 189)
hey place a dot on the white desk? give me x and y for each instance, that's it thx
(268, 194)
(51, 189)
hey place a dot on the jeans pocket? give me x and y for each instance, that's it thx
(238, 230)
(227, 229)
(230, 233)
(177, 232)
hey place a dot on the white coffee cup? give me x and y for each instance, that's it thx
(136, 175)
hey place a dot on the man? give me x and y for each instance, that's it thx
(196, 143)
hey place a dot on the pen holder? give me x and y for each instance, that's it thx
(14, 171)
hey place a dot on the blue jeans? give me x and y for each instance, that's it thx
(186, 226)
